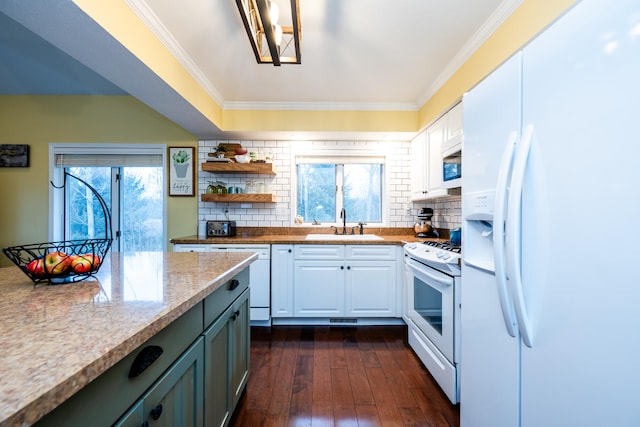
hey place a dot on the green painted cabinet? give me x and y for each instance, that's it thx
(226, 350)
(196, 379)
(176, 399)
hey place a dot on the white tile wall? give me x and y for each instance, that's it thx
(401, 212)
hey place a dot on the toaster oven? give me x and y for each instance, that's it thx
(221, 228)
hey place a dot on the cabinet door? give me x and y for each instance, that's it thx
(454, 122)
(176, 398)
(371, 289)
(435, 138)
(282, 280)
(239, 326)
(318, 289)
(419, 166)
(226, 367)
(217, 366)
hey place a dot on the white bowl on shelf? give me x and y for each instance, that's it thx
(244, 158)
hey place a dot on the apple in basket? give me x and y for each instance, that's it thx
(56, 262)
(84, 263)
(36, 267)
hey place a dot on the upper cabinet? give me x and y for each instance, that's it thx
(427, 151)
(454, 123)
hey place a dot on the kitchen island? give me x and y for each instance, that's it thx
(54, 340)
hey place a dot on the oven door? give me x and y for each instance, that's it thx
(430, 305)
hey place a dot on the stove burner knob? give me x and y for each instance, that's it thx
(445, 256)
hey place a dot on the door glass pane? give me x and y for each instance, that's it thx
(363, 192)
(317, 192)
(142, 193)
(427, 303)
(84, 215)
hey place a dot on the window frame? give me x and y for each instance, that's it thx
(344, 154)
(56, 198)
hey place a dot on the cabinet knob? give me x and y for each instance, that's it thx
(342, 267)
(235, 315)
(290, 251)
(349, 268)
(156, 412)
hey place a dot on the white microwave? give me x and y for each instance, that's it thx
(452, 164)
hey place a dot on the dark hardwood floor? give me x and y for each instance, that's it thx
(339, 376)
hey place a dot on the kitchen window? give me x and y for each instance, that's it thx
(327, 184)
(131, 181)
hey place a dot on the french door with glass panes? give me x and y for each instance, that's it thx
(134, 196)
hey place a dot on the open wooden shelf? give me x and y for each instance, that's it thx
(239, 198)
(221, 167)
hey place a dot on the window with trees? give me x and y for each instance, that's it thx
(328, 184)
(131, 183)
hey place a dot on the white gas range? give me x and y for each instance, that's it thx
(433, 310)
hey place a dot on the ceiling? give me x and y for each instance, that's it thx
(356, 54)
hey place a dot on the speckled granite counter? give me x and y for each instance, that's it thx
(56, 339)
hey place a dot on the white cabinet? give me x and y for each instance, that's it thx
(419, 167)
(281, 280)
(324, 281)
(318, 288)
(435, 137)
(444, 135)
(454, 123)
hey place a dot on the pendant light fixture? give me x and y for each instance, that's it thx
(272, 43)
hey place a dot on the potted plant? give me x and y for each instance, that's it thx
(181, 163)
(220, 150)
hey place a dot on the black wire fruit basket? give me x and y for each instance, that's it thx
(65, 261)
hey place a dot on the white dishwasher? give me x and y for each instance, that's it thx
(259, 279)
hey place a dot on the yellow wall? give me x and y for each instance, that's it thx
(39, 120)
(528, 20)
(531, 17)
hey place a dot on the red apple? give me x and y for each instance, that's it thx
(36, 267)
(80, 264)
(84, 263)
(56, 262)
(241, 151)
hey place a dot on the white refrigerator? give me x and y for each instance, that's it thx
(550, 332)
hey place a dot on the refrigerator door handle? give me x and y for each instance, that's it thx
(499, 214)
(514, 235)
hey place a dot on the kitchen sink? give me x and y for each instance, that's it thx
(342, 237)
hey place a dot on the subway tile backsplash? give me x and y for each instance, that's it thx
(401, 212)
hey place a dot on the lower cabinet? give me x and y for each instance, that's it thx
(192, 373)
(177, 398)
(335, 281)
(226, 353)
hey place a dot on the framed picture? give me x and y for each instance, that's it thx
(181, 171)
(14, 155)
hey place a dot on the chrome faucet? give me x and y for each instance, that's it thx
(343, 215)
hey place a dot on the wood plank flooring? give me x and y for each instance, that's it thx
(339, 376)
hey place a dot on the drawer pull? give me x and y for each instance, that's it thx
(235, 315)
(234, 284)
(156, 412)
(144, 359)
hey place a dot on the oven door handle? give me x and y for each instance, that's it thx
(424, 273)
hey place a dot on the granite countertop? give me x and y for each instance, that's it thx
(56, 339)
(399, 239)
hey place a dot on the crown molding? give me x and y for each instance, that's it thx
(497, 18)
(321, 106)
(151, 20)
